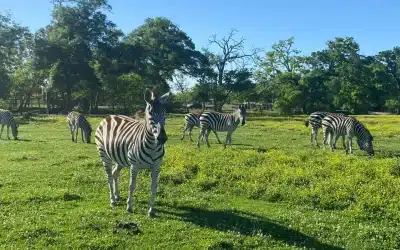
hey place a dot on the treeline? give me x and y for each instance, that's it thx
(82, 58)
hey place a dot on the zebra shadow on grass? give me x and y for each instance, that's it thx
(12, 139)
(241, 222)
(24, 140)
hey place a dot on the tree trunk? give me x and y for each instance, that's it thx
(113, 106)
(86, 105)
(68, 99)
(93, 104)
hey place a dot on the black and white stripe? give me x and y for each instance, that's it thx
(75, 121)
(335, 126)
(315, 120)
(7, 119)
(193, 120)
(125, 142)
(221, 122)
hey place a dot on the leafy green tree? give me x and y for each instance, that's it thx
(26, 82)
(387, 73)
(165, 49)
(15, 44)
(279, 75)
(68, 47)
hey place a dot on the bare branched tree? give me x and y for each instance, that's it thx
(181, 84)
(232, 52)
(230, 62)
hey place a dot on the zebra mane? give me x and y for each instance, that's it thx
(363, 127)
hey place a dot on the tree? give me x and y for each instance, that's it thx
(182, 85)
(25, 82)
(221, 80)
(387, 70)
(15, 42)
(71, 44)
(165, 49)
(279, 75)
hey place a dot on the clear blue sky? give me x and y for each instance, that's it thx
(373, 23)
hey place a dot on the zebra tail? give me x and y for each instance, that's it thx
(306, 123)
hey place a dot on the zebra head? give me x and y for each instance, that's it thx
(366, 144)
(88, 135)
(155, 114)
(242, 113)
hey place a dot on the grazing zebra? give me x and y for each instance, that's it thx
(6, 118)
(315, 119)
(75, 121)
(350, 126)
(134, 144)
(193, 120)
(221, 122)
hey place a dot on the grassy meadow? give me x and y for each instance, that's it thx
(271, 190)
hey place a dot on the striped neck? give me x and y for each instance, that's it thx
(236, 116)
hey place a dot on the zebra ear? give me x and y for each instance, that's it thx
(148, 95)
(165, 98)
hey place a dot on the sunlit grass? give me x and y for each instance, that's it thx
(272, 189)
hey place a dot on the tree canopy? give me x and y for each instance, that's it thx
(83, 59)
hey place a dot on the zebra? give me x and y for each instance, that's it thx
(75, 121)
(6, 118)
(193, 120)
(134, 144)
(345, 125)
(315, 119)
(221, 122)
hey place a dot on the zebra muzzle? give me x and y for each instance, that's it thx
(162, 138)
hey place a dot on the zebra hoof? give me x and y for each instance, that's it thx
(151, 213)
(129, 210)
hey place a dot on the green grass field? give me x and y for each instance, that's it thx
(271, 190)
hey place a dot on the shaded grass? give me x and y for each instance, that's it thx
(270, 190)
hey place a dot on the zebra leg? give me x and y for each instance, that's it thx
(216, 134)
(312, 138)
(108, 168)
(154, 181)
(76, 134)
(314, 135)
(326, 134)
(183, 132)
(82, 135)
(132, 187)
(2, 127)
(190, 133)
(115, 173)
(344, 144)
(334, 142)
(350, 149)
(226, 139)
(201, 135)
(72, 131)
(8, 132)
(206, 137)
